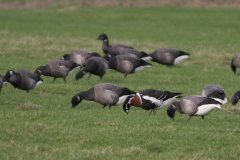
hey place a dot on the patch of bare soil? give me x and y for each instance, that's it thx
(126, 3)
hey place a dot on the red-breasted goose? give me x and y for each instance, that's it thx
(235, 63)
(94, 65)
(57, 69)
(110, 48)
(80, 56)
(3, 81)
(235, 98)
(150, 99)
(127, 64)
(169, 56)
(216, 92)
(193, 105)
(23, 79)
(105, 94)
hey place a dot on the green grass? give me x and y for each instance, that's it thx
(41, 124)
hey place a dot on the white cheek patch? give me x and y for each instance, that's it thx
(105, 40)
(39, 71)
(206, 109)
(180, 59)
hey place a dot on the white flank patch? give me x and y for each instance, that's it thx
(155, 101)
(180, 59)
(220, 100)
(38, 83)
(147, 58)
(207, 108)
(121, 99)
(73, 70)
(141, 68)
(168, 101)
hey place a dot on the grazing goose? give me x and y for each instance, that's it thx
(150, 99)
(127, 64)
(216, 92)
(110, 48)
(57, 69)
(23, 79)
(169, 56)
(3, 81)
(80, 56)
(235, 63)
(235, 98)
(94, 65)
(105, 94)
(193, 105)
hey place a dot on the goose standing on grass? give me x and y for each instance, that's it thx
(127, 64)
(169, 56)
(94, 65)
(235, 63)
(105, 94)
(235, 98)
(57, 69)
(80, 56)
(23, 79)
(110, 48)
(3, 81)
(216, 92)
(193, 105)
(150, 99)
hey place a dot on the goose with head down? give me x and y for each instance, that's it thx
(94, 65)
(57, 69)
(105, 94)
(193, 105)
(150, 99)
(23, 79)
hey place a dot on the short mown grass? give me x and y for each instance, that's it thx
(41, 124)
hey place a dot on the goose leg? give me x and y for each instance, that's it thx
(104, 106)
(154, 111)
(109, 106)
(189, 118)
(89, 74)
(150, 111)
(125, 75)
(202, 118)
(53, 79)
(64, 78)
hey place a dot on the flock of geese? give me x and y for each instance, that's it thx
(127, 60)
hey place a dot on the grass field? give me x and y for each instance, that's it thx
(41, 124)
